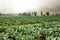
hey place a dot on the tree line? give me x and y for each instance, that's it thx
(33, 14)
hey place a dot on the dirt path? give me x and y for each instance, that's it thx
(30, 24)
(37, 24)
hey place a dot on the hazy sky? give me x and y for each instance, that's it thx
(7, 6)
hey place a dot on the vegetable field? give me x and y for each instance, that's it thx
(30, 28)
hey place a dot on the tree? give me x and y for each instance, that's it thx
(20, 14)
(56, 14)
(35, 13)
(32, 13)
(47, 13)
(29, 14)
(0, 14)
(24, 14)
(41, 13)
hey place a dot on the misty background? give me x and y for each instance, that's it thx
(18, 6)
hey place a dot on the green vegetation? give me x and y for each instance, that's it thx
(48, 29)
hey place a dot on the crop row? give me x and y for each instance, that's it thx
(45, 31)
(8, 21)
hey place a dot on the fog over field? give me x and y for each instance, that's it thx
(16, 6)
